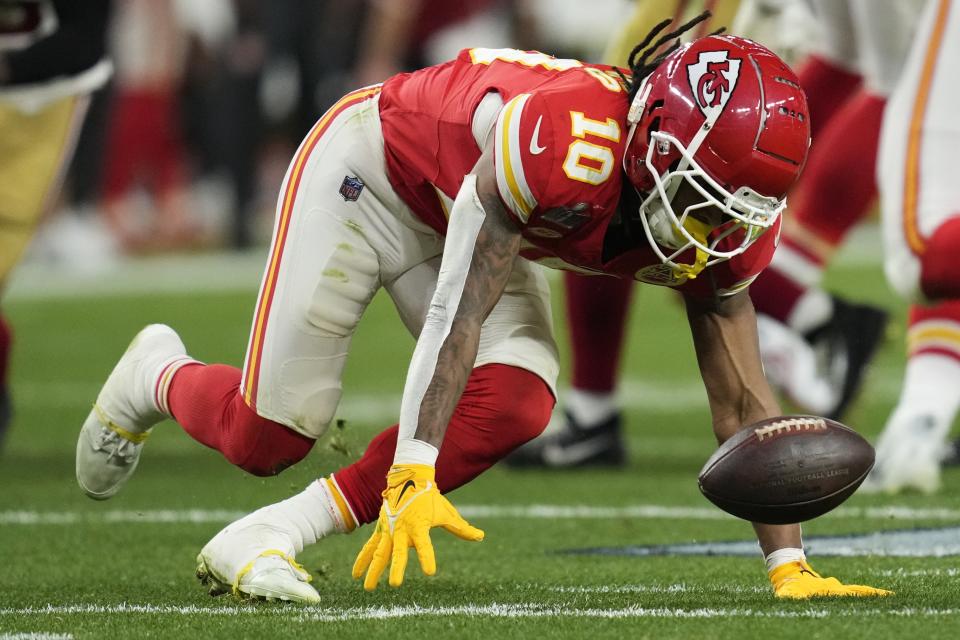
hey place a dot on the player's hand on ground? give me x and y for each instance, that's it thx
(798, 580)
(412, 505)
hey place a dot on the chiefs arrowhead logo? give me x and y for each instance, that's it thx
(713, 77)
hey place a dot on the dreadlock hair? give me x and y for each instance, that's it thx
(639, 61)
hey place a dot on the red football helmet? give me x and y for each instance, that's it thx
(727, 116)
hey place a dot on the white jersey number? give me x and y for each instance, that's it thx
(586, 161)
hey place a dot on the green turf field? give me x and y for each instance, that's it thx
(124, 568)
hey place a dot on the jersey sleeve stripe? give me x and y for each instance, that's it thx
(510, 177)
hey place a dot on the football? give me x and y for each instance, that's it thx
(786, 469)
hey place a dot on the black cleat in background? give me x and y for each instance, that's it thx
(845, 345)
(574, 446)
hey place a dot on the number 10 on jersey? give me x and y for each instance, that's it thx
(586, 161)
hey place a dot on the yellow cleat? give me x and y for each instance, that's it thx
(799, 581)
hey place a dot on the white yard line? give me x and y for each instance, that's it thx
(513, 512)
(493, 610)
(657, 589)
(949, 572)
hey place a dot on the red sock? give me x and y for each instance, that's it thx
(206, 401)
(934, 329)
(6, 346)
(501, 408)
(839, 182)
(597, 313)
(827, 87)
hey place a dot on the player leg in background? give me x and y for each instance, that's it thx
(590, 431)
(835, 193)
(36, 147)
(920, 198)
(910, 449)
(591, 434)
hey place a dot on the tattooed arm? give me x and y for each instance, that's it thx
(482, 243)
(725, 338)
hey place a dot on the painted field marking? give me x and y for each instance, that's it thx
(519, 512)
(658, 589)
(913, 543)
(949, 572)
(492, 610)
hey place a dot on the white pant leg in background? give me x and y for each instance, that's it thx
(918, 176)
(883, 33)
(837, 43)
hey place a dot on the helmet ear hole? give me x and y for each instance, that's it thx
(654, 126)
(655, 105)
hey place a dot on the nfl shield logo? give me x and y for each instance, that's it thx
(351, 188)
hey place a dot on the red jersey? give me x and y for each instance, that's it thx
(559, 142)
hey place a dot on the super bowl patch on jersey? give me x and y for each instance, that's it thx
(660, 274)
(351, 188)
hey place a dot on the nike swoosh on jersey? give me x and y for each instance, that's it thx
(535, 147)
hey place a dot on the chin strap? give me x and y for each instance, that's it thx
(699, 231)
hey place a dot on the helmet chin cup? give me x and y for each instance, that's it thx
(744, 210)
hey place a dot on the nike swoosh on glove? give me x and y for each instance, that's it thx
(798, 580)
(412, 505)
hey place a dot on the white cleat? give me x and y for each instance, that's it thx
(114, 432)
(908, 457)
(790, 365)
(255, 559)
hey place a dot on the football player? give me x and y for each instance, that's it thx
(52, 56)
(444, 186)
(920, 198)
(847, 81)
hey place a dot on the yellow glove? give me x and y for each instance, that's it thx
(798, 580)
(412, 505)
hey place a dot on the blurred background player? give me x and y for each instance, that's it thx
(401, 35)
(52, 57)
(144, 141)
(920, 196)
(847, 78)
(815, 345)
